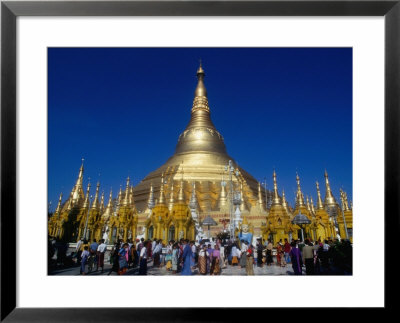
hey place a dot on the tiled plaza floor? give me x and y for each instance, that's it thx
(228, 271)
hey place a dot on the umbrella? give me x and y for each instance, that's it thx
(208, 221)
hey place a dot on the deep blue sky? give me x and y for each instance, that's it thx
(122, 109)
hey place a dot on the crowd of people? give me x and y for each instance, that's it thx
(186, 257)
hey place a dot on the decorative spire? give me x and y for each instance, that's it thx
(275, 200)
(119, 197)
(162, 197)
(200, 89)
(150, 202)
(171, 197)
(320, 205)
(109, 208)
(131, 201)
(308, 204)
(86, 203)
(77, 191)
(299, 194)
(222, 197)
(312, 205)
(58, 209)
(200, 134)
(126, 199)
(284, 202)
(95, 204)
(181, 196)
(329, 199)
(102, 202)
(260, 199)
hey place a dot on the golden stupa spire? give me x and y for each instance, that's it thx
(77, 191)
(312, 205)
(119, 197)
(58, 208)
(329, 199)
(150, 201)
(299, 194)
(131, 201)
(126, 198)
(102, 202)
(162, 197)
(284, 202)
(69, 205)
(86, 203)
(181, 196)
(95, 203)
(171, 197)
(308, 204)
(260, 199)
(109, 208)
(275, 200)
(222, 196)
(200, 134)
(320, 205)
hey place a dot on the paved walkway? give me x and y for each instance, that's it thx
(228, 271)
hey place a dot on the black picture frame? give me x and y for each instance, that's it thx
(10, 10)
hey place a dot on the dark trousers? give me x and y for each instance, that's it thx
(310, 266)
(143, 267)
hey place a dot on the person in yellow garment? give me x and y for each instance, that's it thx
(250, 260)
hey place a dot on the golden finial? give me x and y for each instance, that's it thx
(86, 203)
(131, 200)
(308, 204)
(284, 202)
(95, 203)
(260, 199)
(58, 209)
(162, 197)
(329, 198)
(200, 89)
(126, 199)
(102, 201)
(120, 195)
(312, 205)
(200, 69)
(150, 202)
(299, 194)
(245, 221)
(109, 208)
(276, 200)
(320, 205)
(222, 196)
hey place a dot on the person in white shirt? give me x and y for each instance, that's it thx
(143, 260)
(194, 252)
(101, 250)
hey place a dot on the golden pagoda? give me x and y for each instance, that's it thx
(209, 183)
(347, 222)
(200, 157)
(278, 226)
